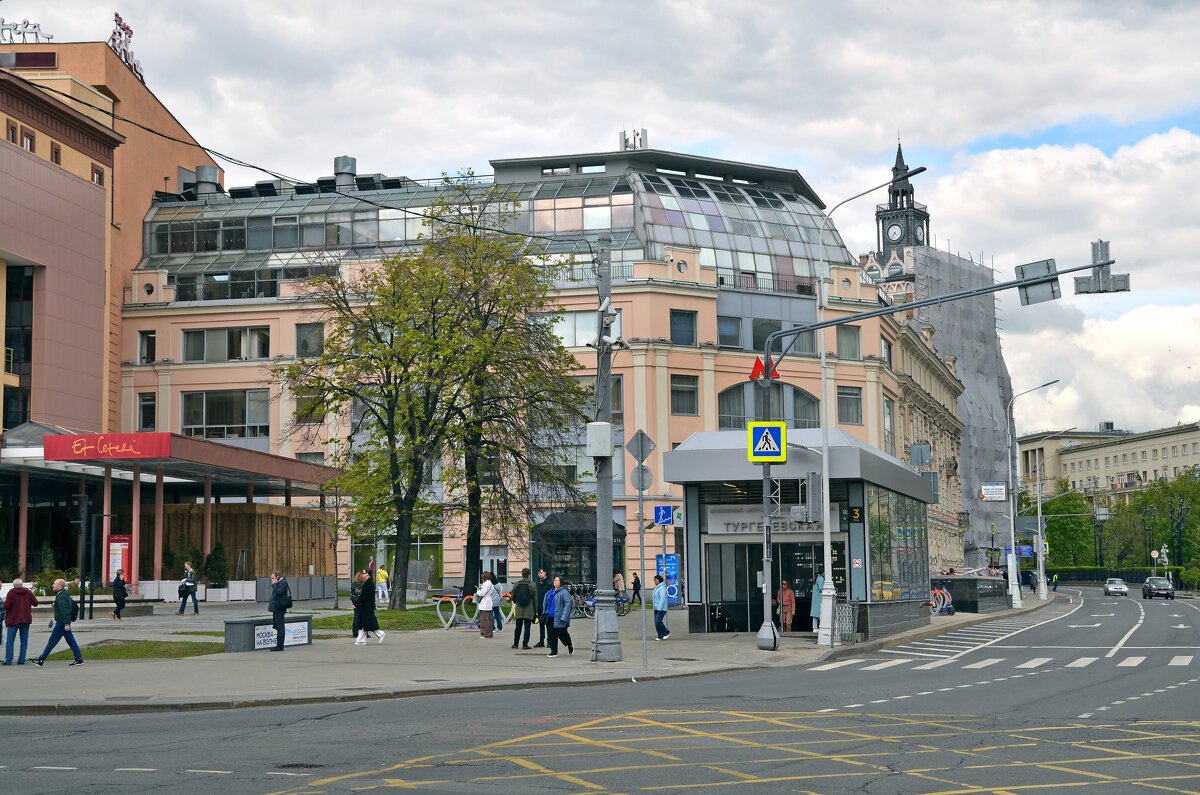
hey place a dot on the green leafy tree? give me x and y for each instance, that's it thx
(519, 401)
(216, 567)
(1069, 531)
(1123, 539)
(1171, 510)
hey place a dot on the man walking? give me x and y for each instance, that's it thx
(63, 615)
(637, 590)
(659, 600)
(543, 588)
(1054, 579)
(524, 596)
(281, 600)
(381, 584)
(18, 615)
(562, 619)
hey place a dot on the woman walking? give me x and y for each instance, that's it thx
(120, 593)
(485, 600)
(364, 611)
(187, 587)
(786, 599)
(562, 619)
(815, 611)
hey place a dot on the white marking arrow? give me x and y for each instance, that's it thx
(1080, 626)
(1181, 626)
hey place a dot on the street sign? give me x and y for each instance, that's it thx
(759, 370)
(993, 492)
(663, 514)
(857, 563)
(677, 517)
(640, 447)
(1154, 554)
(1040, 282)
(766, 441)
(641, 477)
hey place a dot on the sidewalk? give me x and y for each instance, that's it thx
(333, 669)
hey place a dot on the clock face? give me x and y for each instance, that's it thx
(920, 234)
(894, 231)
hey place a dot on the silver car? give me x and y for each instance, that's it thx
(1114, 586)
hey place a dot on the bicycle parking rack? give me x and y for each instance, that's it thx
(453, 620)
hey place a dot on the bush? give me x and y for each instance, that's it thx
(48, 564)
(216, 567)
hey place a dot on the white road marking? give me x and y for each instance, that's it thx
(1082, 662)
(832, 665)
(135, 769)
(1081, 626)
(884, 664)
(934, 664)
(1131, 662)
(280, 773)
(880, 701)
(213, 772)
(830, 709)
(52, 767)
(1133, 629)
(985, 663)
(1086, 715)
(851, 706)
(1181, 626)
(1183, 659)
(1102, 615)
(1035, 662)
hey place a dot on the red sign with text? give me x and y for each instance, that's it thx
(106, 445)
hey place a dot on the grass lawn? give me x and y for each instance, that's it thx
(389, 620)
(142, 650)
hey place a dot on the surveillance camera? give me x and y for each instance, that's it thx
(669, 257)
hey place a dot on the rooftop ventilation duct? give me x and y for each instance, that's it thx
(344, 169)
(207, 182)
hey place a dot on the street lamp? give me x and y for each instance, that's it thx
(1041, 538)
(1014, 585)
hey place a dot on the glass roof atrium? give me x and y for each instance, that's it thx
(758, 227)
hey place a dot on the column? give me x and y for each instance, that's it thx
(106, 524)
(135, 526)
(207, 515)
(23, 525)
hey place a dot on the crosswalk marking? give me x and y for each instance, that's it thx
(985, 663)
(832, 665)
(1183, 659)
(1082, 662)
(885, 664)
(929, 665)
(1035, 662)
(1130, 662)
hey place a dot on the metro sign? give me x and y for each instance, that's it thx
(759, 370)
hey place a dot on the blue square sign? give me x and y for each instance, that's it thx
(662, 514)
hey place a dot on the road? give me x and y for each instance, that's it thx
(1093, 694)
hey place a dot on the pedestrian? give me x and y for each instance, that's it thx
(361, 580)
(381, 584)
(786, 599)
(524, 596)
(562, 619)
(364, 612)
(497, 613)
(618, 583)
(281, 600)
(484, 595)
(120, 594)
(1054, 579)
(63, 616)
(544, 589)
(814, 610)
(18, 615)
(187, 587)
(659, 600)
(637, 590)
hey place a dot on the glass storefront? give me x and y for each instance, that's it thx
(731, 581)
(899, 546)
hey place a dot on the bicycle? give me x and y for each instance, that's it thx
(622, 605)
(583, 600)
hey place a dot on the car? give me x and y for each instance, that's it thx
(1158, 586)
(1115, 585)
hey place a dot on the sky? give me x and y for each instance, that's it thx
(1044, 126)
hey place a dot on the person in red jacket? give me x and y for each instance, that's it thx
(18, 615)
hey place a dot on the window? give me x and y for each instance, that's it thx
(12, 132)
(683, 327)
(889, 434)
(1154, 454)
(1089, 463)
(806, 342)
(1164, 452)
(1143, 455)
(146, 411)
(147, 347)
(97, 175)
(764, 328)
(1105, 460)
(1124, 458)
(310, 339)
(1174, 451)
(685, 395)
(729, 332)
(731, 408)
(308, 408)
(311, 458)
(28, 140)
(226, 414)
(849, 399)
(55, 154)
(1072, 466)
(226, 344)
(487, 470)
(576, 329)
(885, 352)
(615, 397)
(848, 342)
(806, 409)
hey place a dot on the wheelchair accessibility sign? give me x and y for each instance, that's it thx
(767, 441)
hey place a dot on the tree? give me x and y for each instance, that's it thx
(1169, 509)
(1123, 540)
(392, 332)
(1070, 537)
(519, 401)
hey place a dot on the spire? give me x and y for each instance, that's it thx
(900, 194)
(899, 168)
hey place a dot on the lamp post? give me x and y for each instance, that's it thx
(1041, 538)
(766, 634)
(1014, 584)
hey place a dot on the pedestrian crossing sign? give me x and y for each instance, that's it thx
(767, 441)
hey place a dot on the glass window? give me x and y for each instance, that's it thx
(310, 339)
(147, 347)
(146, 411)
(848, 342)
(685, 395)
(729, 332)
(193, 345)
(806, 409)
(208, 235)
(764, 328)
(806, 342)
(258, 232)
(311, 458)
(233, 235)
(308, 408)
(775, 405)
(885, 352)
(226, 414)
(683, 327)
(849, 400)
(731, 408)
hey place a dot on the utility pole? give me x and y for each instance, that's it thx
(606, 643)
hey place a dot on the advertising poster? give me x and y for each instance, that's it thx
(118, 553)
(671, 577)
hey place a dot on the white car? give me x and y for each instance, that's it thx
(1115, 585)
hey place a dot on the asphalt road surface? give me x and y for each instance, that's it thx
(1093, 694)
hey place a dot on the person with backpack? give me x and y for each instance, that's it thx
(562, 618)
(544, 589)
(187, 587)
(281, 600)
(524, 597)
(65, 611)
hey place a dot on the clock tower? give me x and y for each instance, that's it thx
(901, 222)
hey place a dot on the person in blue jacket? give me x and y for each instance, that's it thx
(659, 600)
(561, 609)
